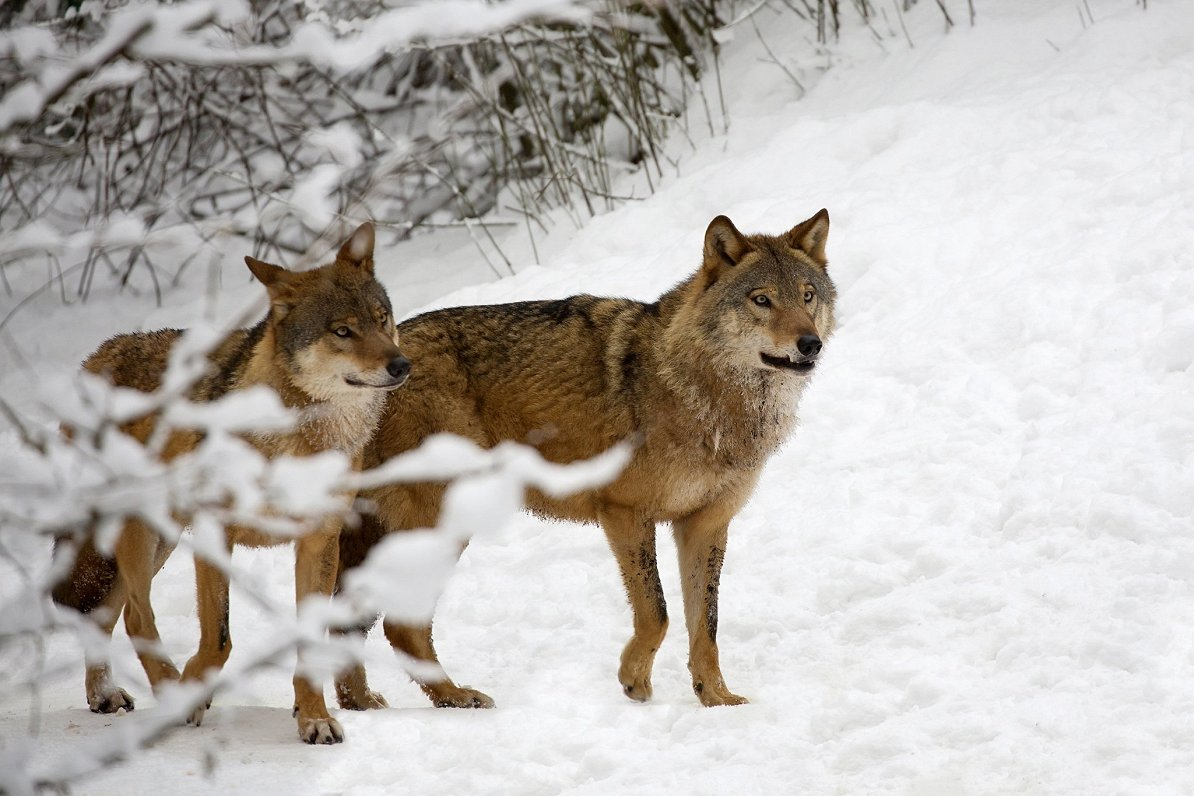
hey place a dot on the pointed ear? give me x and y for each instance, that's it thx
(276, 281)
(266, 274)
(724, 244)
(358, 249)
(809, 236)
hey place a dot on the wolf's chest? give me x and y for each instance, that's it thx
(344, 426)
(690, 470)
(682, 478)
(688, 489)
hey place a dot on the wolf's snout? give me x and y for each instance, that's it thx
(809, 345)
(399, 367)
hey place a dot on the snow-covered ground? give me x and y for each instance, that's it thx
(971, 570)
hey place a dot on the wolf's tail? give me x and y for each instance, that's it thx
(90, 580)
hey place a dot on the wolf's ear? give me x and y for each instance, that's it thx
(266, 274)
(276, 281)
(724, 244)
(358, 249)
(809, 236)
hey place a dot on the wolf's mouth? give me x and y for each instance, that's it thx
(783, 363)
(393, 385)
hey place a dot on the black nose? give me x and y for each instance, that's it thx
(809, 345)
(399, 367)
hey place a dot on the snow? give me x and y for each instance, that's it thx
(971, 569)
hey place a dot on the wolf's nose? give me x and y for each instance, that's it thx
(399, 367)
(809, 345)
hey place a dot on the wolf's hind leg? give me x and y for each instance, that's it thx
(416, 643)
(701, 544)
(632, 540)
(352, 684)
(139, 554)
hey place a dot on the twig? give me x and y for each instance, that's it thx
(903, 27)
(775, 60)
(949, 23)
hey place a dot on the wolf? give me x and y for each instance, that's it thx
(704, 382)
(328, 347)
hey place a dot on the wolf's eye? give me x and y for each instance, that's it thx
(762, 300)
(342, 331)
(809, 295)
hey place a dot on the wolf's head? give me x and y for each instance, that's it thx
(333, 326)
(761, 302)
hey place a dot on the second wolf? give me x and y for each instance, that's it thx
(705, 381)
(328, 348)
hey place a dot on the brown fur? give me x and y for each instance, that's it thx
(328, 347)
(684, 377)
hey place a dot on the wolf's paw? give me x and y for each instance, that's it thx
(461, 697)
(638, 690)
(634, 673)
(196, 717)
(370, 700)
(320, 731)
(635, 676)
(717, 696)
(109, 700)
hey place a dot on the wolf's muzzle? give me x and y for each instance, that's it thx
(808, 346)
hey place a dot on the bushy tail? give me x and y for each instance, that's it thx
(91, 577)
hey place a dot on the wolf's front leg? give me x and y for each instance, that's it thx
(315, 560)
(701, 544)
(632, 539)
(215, 636)
(104, 696)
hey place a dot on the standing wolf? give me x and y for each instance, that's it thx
(328, 348)
(704, 381)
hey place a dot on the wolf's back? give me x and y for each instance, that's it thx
(567, 339)
(560, 374)
(135, 360)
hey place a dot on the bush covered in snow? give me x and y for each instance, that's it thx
(284, 122)
(270, 119)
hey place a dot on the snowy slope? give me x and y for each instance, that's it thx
(969, 572)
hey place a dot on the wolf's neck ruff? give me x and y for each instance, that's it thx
(344, 425)
(746, 417)
(747, 412)
(332, 414)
